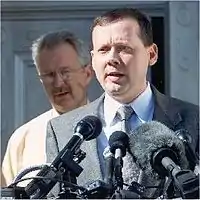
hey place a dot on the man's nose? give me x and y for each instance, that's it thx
(113, 61)
(113, 58)
(58, 80)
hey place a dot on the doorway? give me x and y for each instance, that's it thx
(158, 70)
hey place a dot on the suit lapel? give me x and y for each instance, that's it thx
(165, 112)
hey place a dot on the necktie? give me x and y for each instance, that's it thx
(130, 171)
(124, 113)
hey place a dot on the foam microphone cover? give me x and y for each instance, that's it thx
(151, 136)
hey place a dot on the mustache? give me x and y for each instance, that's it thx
(60, 91)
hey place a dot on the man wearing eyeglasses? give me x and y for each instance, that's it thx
(62, 63)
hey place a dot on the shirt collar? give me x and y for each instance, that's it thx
(143, 104)
(110, 108)
(54, 113)
(146, 98)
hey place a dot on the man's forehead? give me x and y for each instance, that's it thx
(121, 31)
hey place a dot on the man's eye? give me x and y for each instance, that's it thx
(104, 49)
(65, 71)
(50, 74)
(125, 49)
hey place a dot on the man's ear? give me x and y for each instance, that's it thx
(153, 54)
(91, 53)
(89, 72)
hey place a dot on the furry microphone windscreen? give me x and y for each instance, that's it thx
(151, 136)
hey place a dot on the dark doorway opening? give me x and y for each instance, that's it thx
(158, 70)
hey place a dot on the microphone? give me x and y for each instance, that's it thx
(154, 138)
(118, 143)
(159, 152)
(86, 129)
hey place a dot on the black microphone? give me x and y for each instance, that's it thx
(118, 143)
(86, 129)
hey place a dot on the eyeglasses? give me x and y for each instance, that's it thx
(64, 73)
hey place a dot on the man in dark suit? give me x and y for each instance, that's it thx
(123, 49)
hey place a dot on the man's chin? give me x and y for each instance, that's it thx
(64, 106)
(114, 89)
(117, 93)
(62, 110)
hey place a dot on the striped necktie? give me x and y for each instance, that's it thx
(124, 113)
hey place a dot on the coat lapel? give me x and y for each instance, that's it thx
(165, 112)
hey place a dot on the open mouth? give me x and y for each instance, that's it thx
(114, 76)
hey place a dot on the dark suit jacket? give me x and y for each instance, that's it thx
(172, 112)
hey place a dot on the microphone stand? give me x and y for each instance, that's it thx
(70, 175)
(63, 168)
